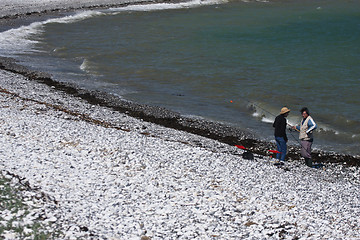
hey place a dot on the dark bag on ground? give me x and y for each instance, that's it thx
(248, 156)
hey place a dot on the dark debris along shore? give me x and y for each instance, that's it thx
(161, 116)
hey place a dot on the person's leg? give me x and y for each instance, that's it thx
(309, 148)
(308, 162)
(283, 150)
(278, 148)
(281, 147)
(303, 149)
(306, 152)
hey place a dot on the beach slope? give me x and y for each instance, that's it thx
(102, 174)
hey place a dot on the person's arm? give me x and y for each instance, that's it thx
(283, 129)
(311, 125)
(275, 122)
(296, 128)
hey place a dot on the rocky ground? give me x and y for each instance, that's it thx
(15, 8)
(76, 166)
(104, 175)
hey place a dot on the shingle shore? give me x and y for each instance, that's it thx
(110, 176)
(134, 178)
(220, 132)
(11, 8)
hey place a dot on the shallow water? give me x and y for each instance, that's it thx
(236, 62)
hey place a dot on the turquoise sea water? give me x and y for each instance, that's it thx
(259, 55)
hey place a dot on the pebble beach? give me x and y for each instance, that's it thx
(95, 173)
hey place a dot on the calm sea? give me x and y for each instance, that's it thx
(233, 62)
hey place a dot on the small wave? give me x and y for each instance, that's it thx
(267, 120)
(256, 114)
(259, 112)
(192, 116)
(248, 1)
(263, 117)
(267, 114)
(16, 40)
(75, 18)
(59, 49)
(327, 130)
(19, 40)
(343, 137)
(84, 65)
(167, 6)
(88, 67)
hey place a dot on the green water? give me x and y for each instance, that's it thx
(261, 56)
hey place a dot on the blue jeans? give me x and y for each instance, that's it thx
(281, 147)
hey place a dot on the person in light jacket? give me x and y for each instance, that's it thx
(306, 128)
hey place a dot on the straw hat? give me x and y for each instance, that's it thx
(284, 110)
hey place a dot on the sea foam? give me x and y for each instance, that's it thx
(24, 38)
(167, 6)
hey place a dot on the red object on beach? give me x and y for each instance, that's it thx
(241, 147)
(274, 151)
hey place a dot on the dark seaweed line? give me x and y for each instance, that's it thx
(161, 116)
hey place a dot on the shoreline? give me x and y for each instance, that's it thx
(158, 115)
(100, 174)
(164, 117)
(98, 167)
(57, 6)
(89, 168)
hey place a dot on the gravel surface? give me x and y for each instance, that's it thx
(109, 176)
(101, 174)
(11, 8)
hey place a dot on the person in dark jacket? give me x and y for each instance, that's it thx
(280, 134)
